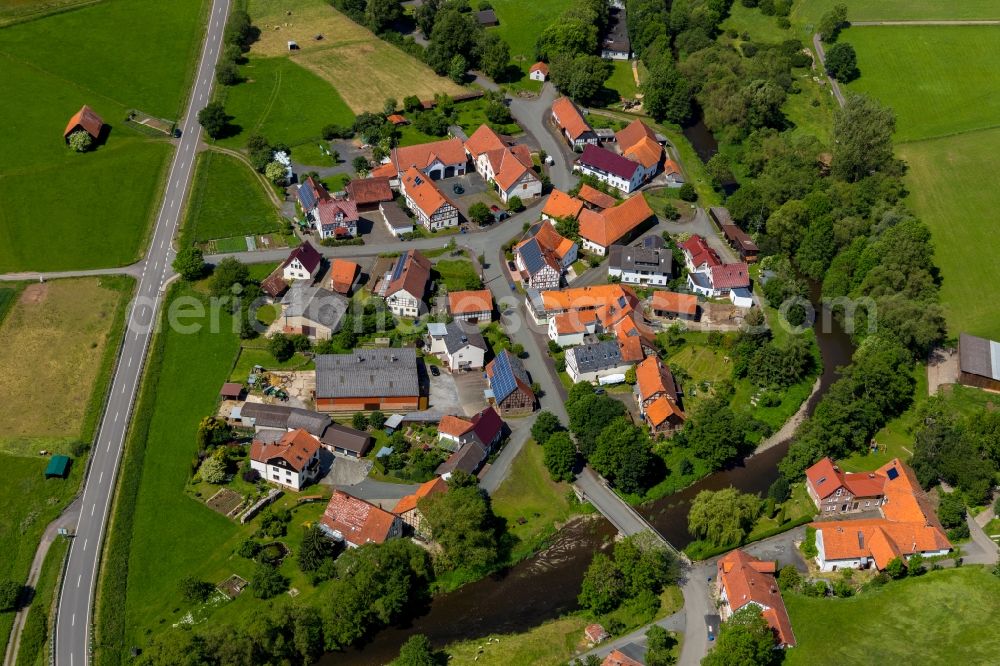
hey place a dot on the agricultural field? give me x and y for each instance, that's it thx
(15, 11)
(282, 101)
(945, 617)
(810, 11)
(364, 69)
(100, 204)
(227, 200)
(521, 21)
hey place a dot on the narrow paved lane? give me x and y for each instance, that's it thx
(73, 625)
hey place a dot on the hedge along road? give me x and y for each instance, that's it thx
(73, 617)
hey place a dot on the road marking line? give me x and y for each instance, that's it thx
(130, 361)
(72, 621)
(94, 506)
(85, 544)
(109, 445)
(78, 579)
(116, 417)
(101, 479)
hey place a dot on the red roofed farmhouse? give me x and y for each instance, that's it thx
(357, 522)
(835, 492)
(474, 306)
(614, 225)
(407, 507)
(436, 160)
(657, 396)
(86, 120)
(571, 124)
(744, 580)
(423, 197)
(506, 166)
(292, 461)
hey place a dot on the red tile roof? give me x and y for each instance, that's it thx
(550, 241)
(414, 277)
(397, 119)
(296, 447)
(540, 67)
(387, 170)
(595, 197)
(654, 378)
(619, 658)
(614, 223)
(423, 192)
(661, 410)
(447, 151)
(329, 210)
(700, 252)
(307, 256)
(731, 276)
(587, 298)
(561, 205)
(633, 133)
(357, 521)
(86, 119)
(825, 478)
(484, 140)
(638, 142)
(745, 580)
(369, 190)
(671, 301)
(569, 118)
(409, 502)
(602, 159)
(455, 426)
(468, 302)
(487, 426)
(342, 274)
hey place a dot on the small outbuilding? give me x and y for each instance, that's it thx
(487, 18)
(231, 391)
(539, 71)
(87, 120)
(979, 362)
(58, 467)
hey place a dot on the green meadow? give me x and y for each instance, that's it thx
(227, 200)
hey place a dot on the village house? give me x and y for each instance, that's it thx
(546, 305)
(303, 263)
(292, 461)
(708, 276)
(657, 395)
(672, 173)
(510, 390)
(638, 142)
(368, 379)
(599, 362)
(672, 305)
(408, 509)
(616, 44)
(738, 239)
(272, 421)
(476, 439)
(396, 219)
(649, 265)
(743, 580)
(571, 124)
(433, 209)
(343, 273)
(594, 199)
(504, 165)
(336, 218)
(539, 72)
(979, 362)
(561, 206)
(356, 522)
(621, 173)
(405, 285)
(599, 230)
(472, 306)
(909, 525)
(617, 657)
(543, 257)
(312, 311)
(436, 160)
(459, 345)
(368, 193)
(834, 492)
(576, 314)
(85, 120)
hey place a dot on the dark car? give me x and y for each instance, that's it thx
(457, 189)
(435, 371)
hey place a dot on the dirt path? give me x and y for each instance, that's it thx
(791, 425)
(943, 368)
(243, 158)
(834, 86)
(635, 72)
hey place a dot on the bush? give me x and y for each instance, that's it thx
(251, 476)
(77, 449)
(268, 582)
(843, 589)
(195, 591)
(789, 578)
(515, 204)
(670, 211)
(80, 141)
(687, 193)
(809, 549)
(281, 347)
(10, 592)
(334, 131)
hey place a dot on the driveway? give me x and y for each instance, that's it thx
(443, 395)
(533, 115)
(340, 471)
(469, 387)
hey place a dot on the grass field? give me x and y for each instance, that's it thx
(98, 205)
(15, 11)
(33, 646)
(364, 69)
(942, 617)
(810, 11)
(283, 102)
(938, 79)
(622, 81)
(521, 21)
(227, 200)
(51, 348)
(458, 274)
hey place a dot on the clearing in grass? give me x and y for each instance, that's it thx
(228, 200)
(811, 11)
(945, 617)
(364, 69)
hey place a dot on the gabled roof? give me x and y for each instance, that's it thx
(454, 426)
(369, 190)
(632, 259)
(551, 240)
(634, 132)
(700, 253)
(349, 439)
(731, 276)
(906, 500)
(596, 356)
(397, 119)
(507, 374)
(646, 152)
(574, 322)
(510, 165)
(384, 373)
(602, 159)
(446, 151)
(422, 191)
(661, 410)
(88, 120)
(536, 257)
(483, 140)
(310, 193)
(595, 197)
(358, 522)
(878, 538)
(330, 209)
(654, 378)
(739, 237)
(614, 223)
(671, 301)
(562, 206)
(460, 334)
(618, 658)
(540, 67)
(979, 356)
(307, 256)
(587, 298)
(487, 426)
(671, 167)
(426, 489)
(469, 458)
(342, 274)
(468, 302)
(748, 580)
(296, 448)
(411, 273)
(315, 304)
(569, 118)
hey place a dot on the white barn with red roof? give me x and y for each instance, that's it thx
(709, 276)
(291, 461)
(302, 264)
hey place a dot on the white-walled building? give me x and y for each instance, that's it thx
(291, 461)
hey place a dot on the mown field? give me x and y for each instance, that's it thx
(227, 200)
(521, 21)
(941, 80)
(942, 617)
(810, 11)
(364, 69)
(65, 210)
(14, 11)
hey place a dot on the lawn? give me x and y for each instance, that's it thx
(521, 21)
(622, 81)
(364, 69)
(529, 494)
(937, 79)
(945, 617)
(458, 274)
(15, 11)
(33, 644)
(810, 11)
(53, 343)
(282, 101)
(249, 357)
(952, 185)
(99, 205)
(227, 200)
(554, 642)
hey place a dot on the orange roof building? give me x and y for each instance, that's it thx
(538, 72)
(437, 159)
(672, 305)
(471, 305)
(561, 206)
(432, 207)
(342, 275)
(619, 658)
(407, 507)
(397, 119)
(87, 120)
(357, 522)
(505, 164)
(291, 461)
(570, 122)
(744, 580)
(657, 396)
(600, 230)
(638, 143)
(596, 198)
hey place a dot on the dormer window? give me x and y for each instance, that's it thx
(839, 491)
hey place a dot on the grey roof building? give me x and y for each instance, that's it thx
(979, 362)
(640, 265)
(469, 459)
(368, 372)
(273, 421)
(314, 304)
(596, 356)
(459, 334)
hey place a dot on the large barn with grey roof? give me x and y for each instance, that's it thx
(368, 379)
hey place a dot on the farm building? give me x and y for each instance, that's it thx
(368, 379)
(594, 199)
(539, 72)
(292, 461)
(509, 386)
(618, 171)
(433, 208)
(571, 124)
(396, 220)
(86, 120)
(368, 193)
(657, 396)
(312, 311)
(561, 206)
(231, 391)
(487, 18)
(58, 467)
(334, 437)
(979, 362)
(616, 44)
(472, 306)
(408, 509)
(638, 142)
(356, 522)
(613, 225)
(343, 273)
(672, 305)
(436, 160)
(503, 164)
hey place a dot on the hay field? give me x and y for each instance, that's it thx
(364, 69)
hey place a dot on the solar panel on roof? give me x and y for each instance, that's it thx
(398, 270)
(892, 473)
(503, 382)
(531, 254)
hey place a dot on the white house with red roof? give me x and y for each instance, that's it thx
(436, 160)
(505, 165)
(336, 218)
(356, 522)
(571, 124)
(539, 72)
(302, 264)
(743, 581)
(616, 170)
(291, 461)
(835, 492)
(432, 207)
(709, 276)
(405, 285)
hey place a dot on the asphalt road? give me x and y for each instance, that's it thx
(72, 633)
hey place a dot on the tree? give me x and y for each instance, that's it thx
(559, 456)
(360, 165)
(189, 263)
(268, 582)
(666, 93)
(389, 106)
(281, 347)
(416, 651)
(480, 213)
(896, 568)
(789, 578)
(566, 38)
(630, 377)
(723, 517)
(226, 275)
(659, 647)
(274, 172)
(951, 513)
(603, 589)
(316, 549)
(359, 421)
(589, 414)
(380, 14)
(494, 55)
(377, 419)
(862, 138)
(214, 119)
(581, 78)
(462, 522)
(714, 432)
(213, 470)
(622, 455)
(80, 141)
(213, 431)
(687, 193)
(546, 424)
(780, 490)
(745, 639)
(842, 62)
(515, 204)
(831, 23)
(457, 68)
(412, 103)
(240, 31)
(195, 591)
(226, 73)
(10, 592)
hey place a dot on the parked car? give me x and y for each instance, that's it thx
(435, 371)
(457, 189)
(495, 208)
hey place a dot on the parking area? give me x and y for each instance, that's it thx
(470, 387)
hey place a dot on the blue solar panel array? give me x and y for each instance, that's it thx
(892, 473)
(306, 197)
(503, 382)
(400, 264)
(531, 254)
